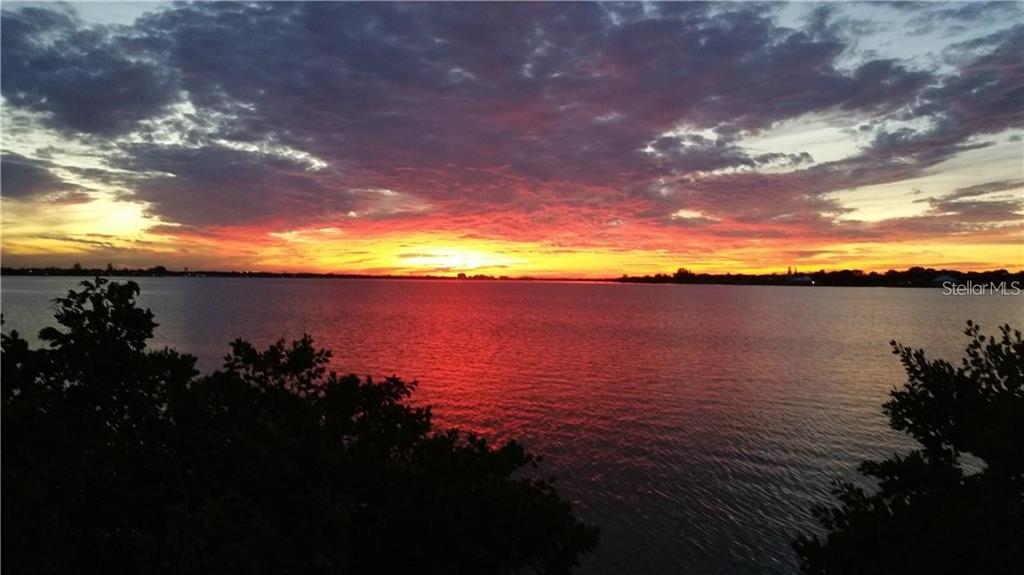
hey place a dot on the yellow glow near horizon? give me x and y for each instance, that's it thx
(448, 258)
(425, 254)
(31, 226)
(105, 230)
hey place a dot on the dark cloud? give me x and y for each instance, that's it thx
(980, 210)
(980, 190)
(85, 241)
(22, 178)
(217, 185)
(697, 153)
(86, 79)
(985, 96)
(966, 209)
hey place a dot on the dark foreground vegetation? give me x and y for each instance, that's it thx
(121, 459)
(929, 514)
(911, 277)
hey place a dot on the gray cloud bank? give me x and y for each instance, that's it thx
(239, 114)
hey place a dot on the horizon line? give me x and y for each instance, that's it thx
(469, 275)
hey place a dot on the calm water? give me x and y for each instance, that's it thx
(694, 424)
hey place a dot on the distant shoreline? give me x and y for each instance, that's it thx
(152, 272)
(915, 277)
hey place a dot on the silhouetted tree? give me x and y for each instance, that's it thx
(930, 514)
(121, 459)
(683, 275)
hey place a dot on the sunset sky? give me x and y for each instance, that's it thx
(540, 139)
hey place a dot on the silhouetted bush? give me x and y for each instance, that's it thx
(929, 514)
(119, 459)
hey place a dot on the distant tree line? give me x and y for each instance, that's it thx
(77, 270)
(912, 277)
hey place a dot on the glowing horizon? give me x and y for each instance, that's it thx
(545, 140)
